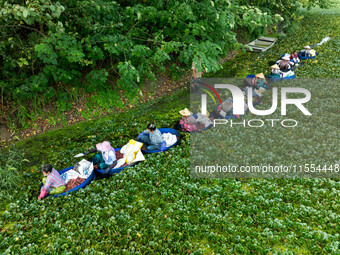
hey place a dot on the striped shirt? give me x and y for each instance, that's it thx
(53, 180)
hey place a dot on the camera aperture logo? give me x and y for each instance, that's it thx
(239, 102)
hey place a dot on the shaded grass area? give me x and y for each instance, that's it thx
(117, 129)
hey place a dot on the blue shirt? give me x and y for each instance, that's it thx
(155, 137)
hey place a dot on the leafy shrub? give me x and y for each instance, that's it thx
(48, 46)
(105, 99)
(45, 47)
(96, 80)
(175, 72)
(63, 103)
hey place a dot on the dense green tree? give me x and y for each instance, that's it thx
(47, 45)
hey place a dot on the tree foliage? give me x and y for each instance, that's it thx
(47, 44)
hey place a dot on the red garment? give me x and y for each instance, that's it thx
(293, 56)
(74, 183)
(189, 124)
(119, 155)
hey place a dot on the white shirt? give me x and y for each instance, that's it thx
(111, 157)
(277, 71)
(203, 119)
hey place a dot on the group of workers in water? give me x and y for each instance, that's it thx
(284, 67)
(105, 158)
(151, 137)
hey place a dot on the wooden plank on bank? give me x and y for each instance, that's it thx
(269, 39)
(261, 44)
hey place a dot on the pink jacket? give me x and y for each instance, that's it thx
(189, 124)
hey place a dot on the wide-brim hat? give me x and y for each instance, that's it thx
(275, 66)
(185, 112)
(260, 75)
(286, 57)
(307, 47)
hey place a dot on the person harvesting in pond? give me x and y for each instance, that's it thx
(106, 158)
(284, 63)
(276, 72)
(260, 81)
(307, 52)
(196, 74)
(188, 122)
(151, 138)
(295, 58)
(53, 183)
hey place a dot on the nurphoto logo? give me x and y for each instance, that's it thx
(239, 102)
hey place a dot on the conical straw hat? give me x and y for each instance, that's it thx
(260, 75)
(185, 112)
